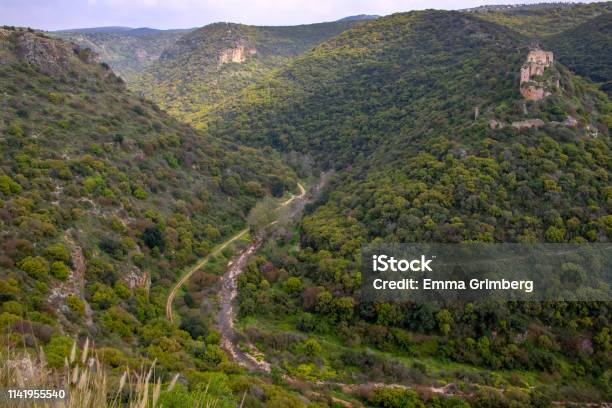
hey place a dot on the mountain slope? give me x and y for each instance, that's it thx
(104, 199)
(587, 49)
(220, 59)
(354, 100)
(544, 19)
(402, 108)
(127, 50)
(578, 33)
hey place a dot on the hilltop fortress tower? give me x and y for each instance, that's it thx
(537, 62)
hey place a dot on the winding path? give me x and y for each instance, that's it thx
(215, 252)
(194, 268)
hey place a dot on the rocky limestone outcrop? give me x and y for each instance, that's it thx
(237, 54)
(137, 279)
(50, 55)
(533, 87)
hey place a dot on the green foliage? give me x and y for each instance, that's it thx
(541, 20)
(119, 321)
(58, 350)
(59, 270)
(100, 181)
(9, 186)
(396, 398)
(103, 296)
(214, 355)
(57, 252)
(76, 304)
(213, 338)
(16, 308)
(293, 285)
(139, 193)
(389, 105)
(152, 237)
(189, 80)
(586, 49)
(264, 213)
(37, 267)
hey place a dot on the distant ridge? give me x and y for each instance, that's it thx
(120, 30)
(109, 29)
(504, 7)
(359, 17)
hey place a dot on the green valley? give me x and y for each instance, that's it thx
(219, 60)
(196, 224)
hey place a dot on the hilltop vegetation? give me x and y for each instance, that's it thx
(587, 49)
(197, 72)
(578, 34)
(544, 19)
(127, 50)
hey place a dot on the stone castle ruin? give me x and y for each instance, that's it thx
(532, 85)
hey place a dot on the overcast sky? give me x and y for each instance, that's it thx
(63, 14)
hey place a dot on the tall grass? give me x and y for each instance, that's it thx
(85, 380)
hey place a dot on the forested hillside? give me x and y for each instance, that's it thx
(127, 50)
(403, 108)
(587, 49)
(579, 34)
(543, 19)
(103, 200)
(219, 60)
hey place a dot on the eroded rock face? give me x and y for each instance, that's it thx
(237, 54)
(138, 279)
(532, 87)
(50, 56)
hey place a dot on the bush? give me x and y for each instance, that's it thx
(12, 307)
(139, 193)
(152, 237)
(214, 355)
(112, 247)
(293, 285)
(98, 270)
(396, 398)
(8, 186)
(58, 350)
(76, 304)
(59, 270)
(214, 337)
(57, 252)
(37, 267)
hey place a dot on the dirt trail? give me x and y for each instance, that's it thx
(216, 251)
(193, 269)
(252, 359)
